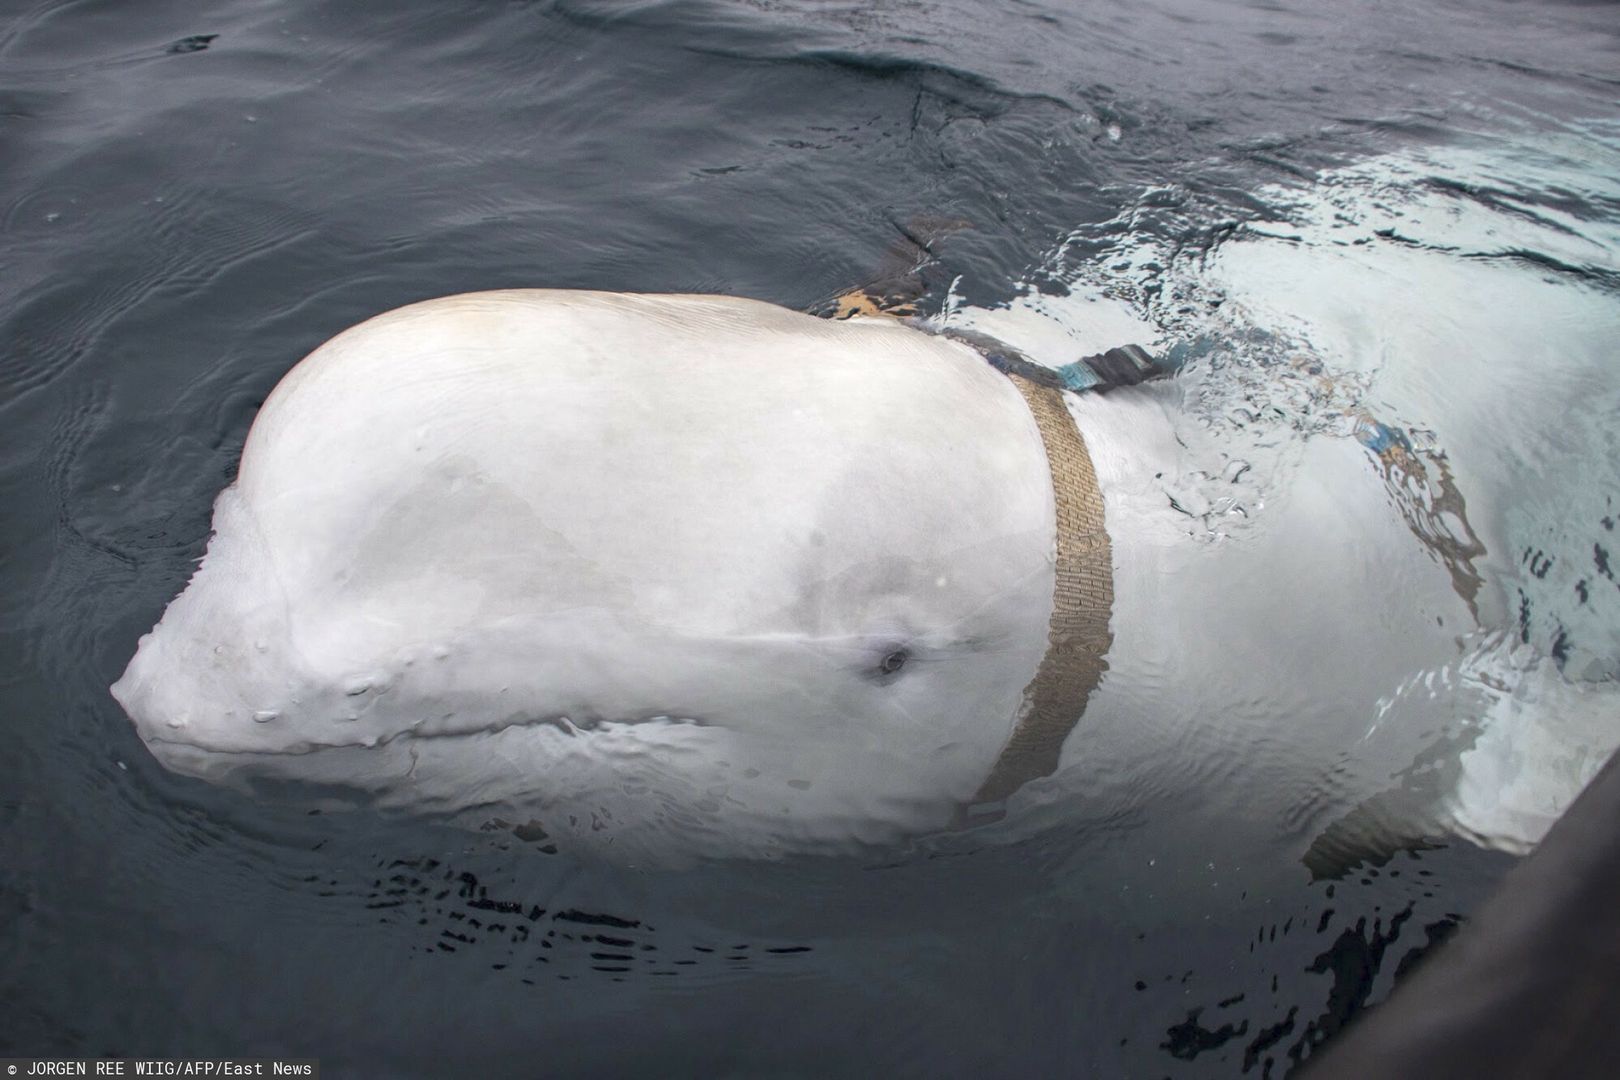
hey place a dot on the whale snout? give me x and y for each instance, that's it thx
(178, 717)
(190, 694)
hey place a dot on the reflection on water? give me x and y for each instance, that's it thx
(1382, 242)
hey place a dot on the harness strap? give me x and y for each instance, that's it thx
(1078, 637)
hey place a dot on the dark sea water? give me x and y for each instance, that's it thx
(195, 195)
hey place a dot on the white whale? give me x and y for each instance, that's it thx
(674, 576)
(698, 570)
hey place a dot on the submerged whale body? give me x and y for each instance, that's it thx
(688, 572)
(666, 577)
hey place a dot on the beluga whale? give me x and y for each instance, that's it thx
(671, 577)
(678, 573)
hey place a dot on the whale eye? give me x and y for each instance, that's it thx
(884, 657)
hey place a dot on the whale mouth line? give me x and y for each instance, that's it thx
(564, 724)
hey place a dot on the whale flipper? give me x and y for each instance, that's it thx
(1373, 833)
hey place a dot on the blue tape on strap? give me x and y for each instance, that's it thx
(1077, 376)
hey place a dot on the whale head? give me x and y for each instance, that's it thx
(675, 574)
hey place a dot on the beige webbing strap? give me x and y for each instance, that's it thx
(1078, 638)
